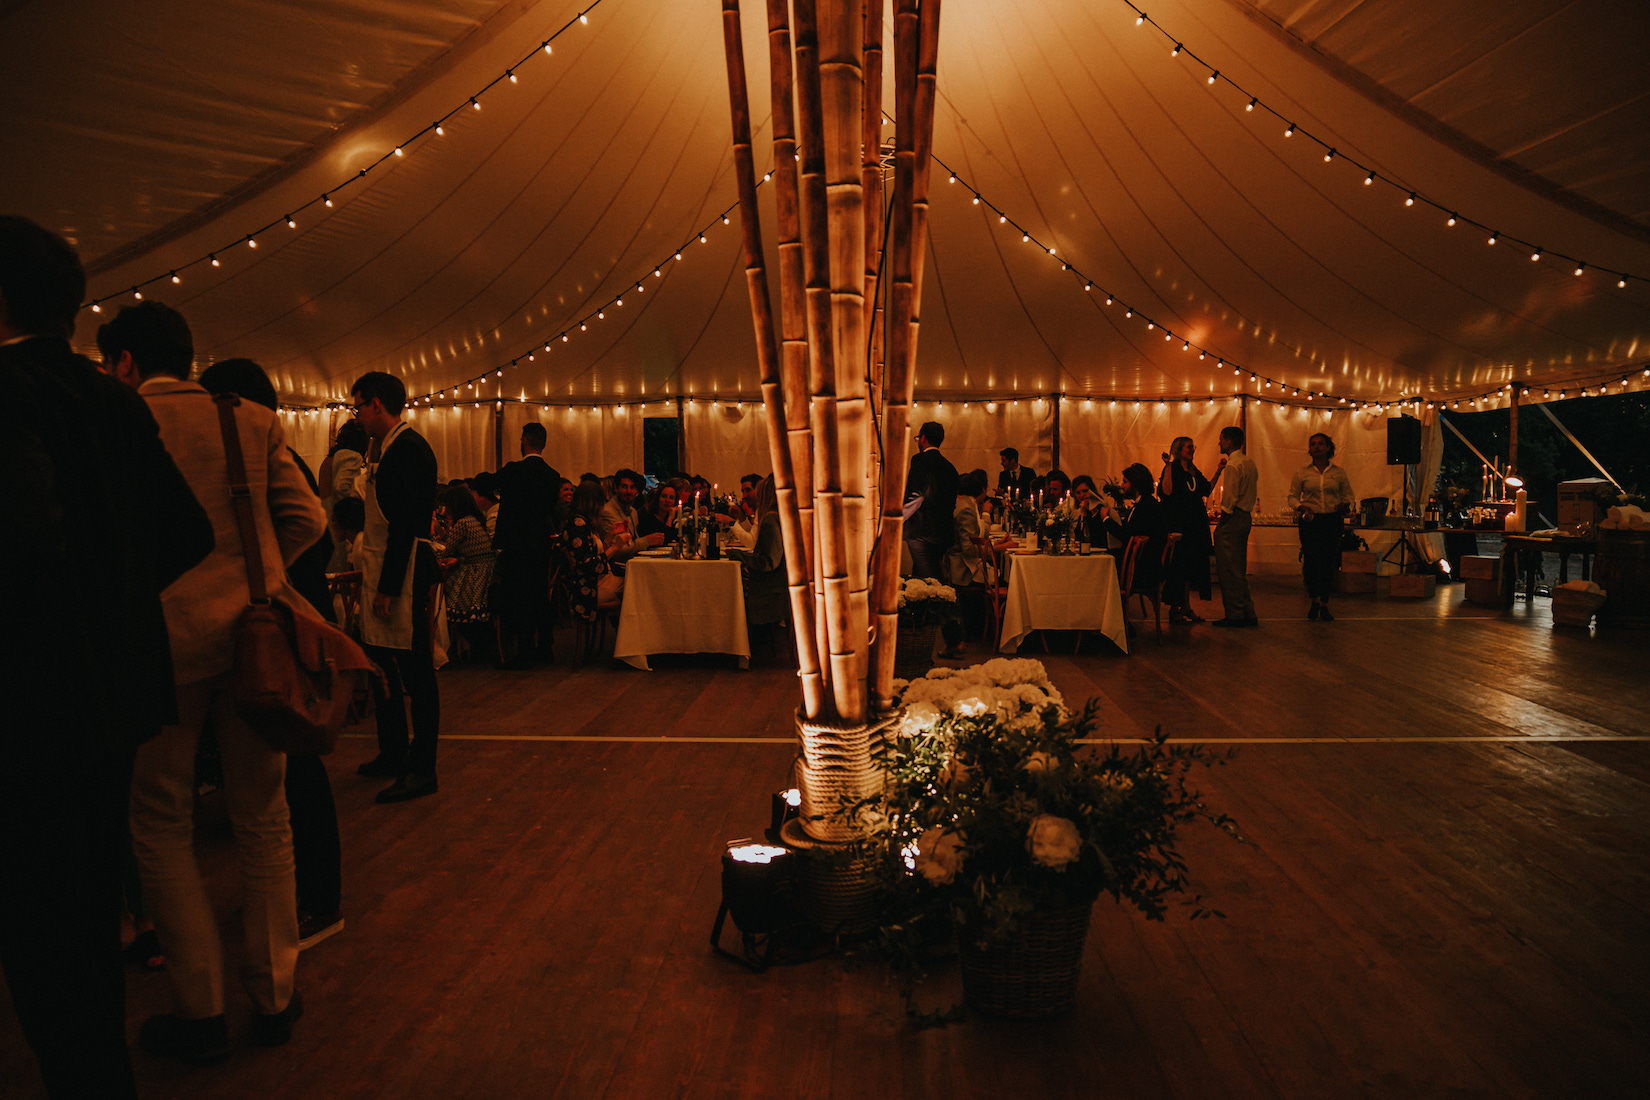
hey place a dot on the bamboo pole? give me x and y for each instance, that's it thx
(793, 315)
(870, 176)
(773, 399)
(915, 53)
(822, 374)
(841, 39)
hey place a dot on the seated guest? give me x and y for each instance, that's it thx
(742, 521)
(619, 525)
(1015, 478)
(564, 505)
(767, 596)
(485, 487)
(661, 513)
(473, 557)
(595, 587)
(1145, 517)
(701, 494)
(1087, 509)
(1054, 486)
(967, 563)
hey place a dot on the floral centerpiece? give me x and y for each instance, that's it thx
(1053, 529)
(996, 821)
(690, 526)
(1020, 513)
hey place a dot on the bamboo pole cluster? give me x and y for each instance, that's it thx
(827, 385)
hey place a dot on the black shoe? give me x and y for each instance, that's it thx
(408, 787)
(1313, 614)
(201, 1042)
(312, 929)
(1323, 613)
(379, 767)
(276, 1030)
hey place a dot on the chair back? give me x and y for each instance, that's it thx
(1131, 556)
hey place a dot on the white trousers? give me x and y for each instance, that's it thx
(163, 833)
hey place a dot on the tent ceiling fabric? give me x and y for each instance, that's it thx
(157, 134)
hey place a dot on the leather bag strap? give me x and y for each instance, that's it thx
(240, 494)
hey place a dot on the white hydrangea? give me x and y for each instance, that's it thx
(916, 588)
(1015, 692)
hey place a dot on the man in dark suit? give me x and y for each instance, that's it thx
(109, 522)
(529, 491)
(1015, 478)
(930, 503)
(398, 571)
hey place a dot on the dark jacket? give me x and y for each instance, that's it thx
(1148, 518)
(405, 484)
(109, 522)
(529, 492)
(1024, 479)
(933, 478)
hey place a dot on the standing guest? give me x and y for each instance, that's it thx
(1234, 508)
(317, 853)
(595, 588)
(109, 522)
(930, 503)
(968, 564)
(349, 519)
(149, 347)
(471, 575)
(1015, 479)
(618, 524)
(527, 492)
(485, 488)
(398, 570)
(1320, 494)
(340, 472)
(1184, 490)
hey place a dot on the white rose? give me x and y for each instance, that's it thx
(920, 716)
(939, 855)
(1053, 841)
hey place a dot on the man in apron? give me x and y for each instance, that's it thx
(398, 570)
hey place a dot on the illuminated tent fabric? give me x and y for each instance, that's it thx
(158, 135)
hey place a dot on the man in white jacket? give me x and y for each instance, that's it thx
(149, 347)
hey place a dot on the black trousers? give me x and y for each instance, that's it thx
(410, 674)
(62, 841)
(317, 855)
(1320, 554)
(524, 620)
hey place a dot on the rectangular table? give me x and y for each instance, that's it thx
(675, 606)
(1076, 592)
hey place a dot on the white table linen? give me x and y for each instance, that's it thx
(1062, 593)
(675, 606)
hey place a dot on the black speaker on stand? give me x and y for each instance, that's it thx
(1403, 448)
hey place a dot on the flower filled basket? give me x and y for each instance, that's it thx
(923, 607)
(999, 823)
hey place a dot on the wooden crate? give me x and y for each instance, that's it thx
(1576, 504)
(1485, 593)
(1413, 585)
(1480, 567)
(1358, 561)
(1355, 583)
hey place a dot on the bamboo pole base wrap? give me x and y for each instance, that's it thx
(835, 880)
(1033, 976)
(836, 769)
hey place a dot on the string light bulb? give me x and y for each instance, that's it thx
(1214, 76)
(1176, 51)
(1369, 179)
(1493, 235)
(1580, 267)
(1536, 255)
(327, 199)
(474, 105)
(1251, 105)
(1291, 131)
(1329, 156)
(290, 224)
(1450, 220)
(511, 73)
(214, 258)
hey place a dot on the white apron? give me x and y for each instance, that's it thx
(396, 631)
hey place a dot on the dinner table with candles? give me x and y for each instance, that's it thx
(1071, 591)
(679, 605)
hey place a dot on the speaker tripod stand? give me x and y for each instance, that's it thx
(1401, 547)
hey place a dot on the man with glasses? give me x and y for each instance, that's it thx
(398, 570)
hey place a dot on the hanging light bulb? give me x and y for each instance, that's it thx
(1536, 255)
(214, 258)
(398, 150)
(1369, 179)
(1176, 51)
(546, 45)
(1291, 131)
(327, 199)
(1450, 220)
(473, 104)
(1329, 156)
(1251, 105)
(1214, 76)
(1580, 267)
(511, 73)
(1411, 200)
(1493, 235)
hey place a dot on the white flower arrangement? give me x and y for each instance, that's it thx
(1016, 691)
(917, 589)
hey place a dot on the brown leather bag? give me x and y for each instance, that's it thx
(294, 675)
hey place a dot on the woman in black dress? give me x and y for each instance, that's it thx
(1184, 491)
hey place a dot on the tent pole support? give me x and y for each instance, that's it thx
(681, 437)
(498, 437)
(1512, 434)
(1054, 457)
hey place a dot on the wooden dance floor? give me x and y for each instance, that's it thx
(1446, 891)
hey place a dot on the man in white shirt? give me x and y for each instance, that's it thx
(618, 524)
(1235, 506)
(1320, 494)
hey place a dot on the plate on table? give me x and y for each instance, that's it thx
(656, 552)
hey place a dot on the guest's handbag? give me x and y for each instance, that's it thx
(294, 675)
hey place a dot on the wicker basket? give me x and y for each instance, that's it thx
(1036, 975)
(1573, 607)
(836, 886)
(914, 650)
